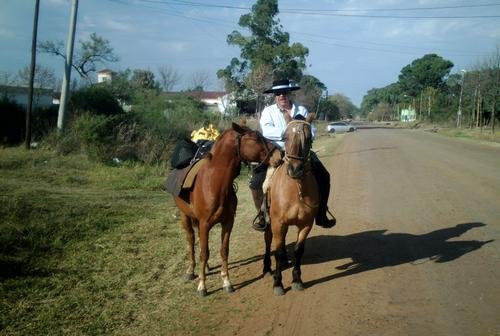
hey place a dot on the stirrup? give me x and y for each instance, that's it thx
(259, 223)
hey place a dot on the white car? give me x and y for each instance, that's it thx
(340, 127)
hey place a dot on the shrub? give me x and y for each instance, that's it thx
(12, 122)
(95, 99)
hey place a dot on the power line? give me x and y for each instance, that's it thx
(337, 12)
(332, 41)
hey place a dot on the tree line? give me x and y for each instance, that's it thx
(468, 98)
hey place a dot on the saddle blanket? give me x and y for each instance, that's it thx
(183, 178)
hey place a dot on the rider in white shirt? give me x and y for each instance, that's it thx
(273, 122)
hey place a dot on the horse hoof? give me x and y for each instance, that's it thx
(298, 286)
(278, 291)
(202, 293)
(228, 289)
(189, 277)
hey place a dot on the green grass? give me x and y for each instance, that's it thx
(478, 134)
(90, 249)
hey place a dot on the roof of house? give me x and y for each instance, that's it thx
(105, 71)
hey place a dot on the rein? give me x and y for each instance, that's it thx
(261, 139)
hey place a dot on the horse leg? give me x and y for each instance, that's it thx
(279, 255)
(268, 236)
(204, 254)
(224, 253)
(189, 231)
(297, 283)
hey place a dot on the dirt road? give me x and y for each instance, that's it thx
(416, 249)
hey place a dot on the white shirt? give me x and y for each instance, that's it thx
(273, 123)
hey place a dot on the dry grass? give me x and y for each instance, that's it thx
(89, 249)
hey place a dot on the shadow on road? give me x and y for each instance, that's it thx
(375, 249)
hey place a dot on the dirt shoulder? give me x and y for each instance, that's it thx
(415, 250)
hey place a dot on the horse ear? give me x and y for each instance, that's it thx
(310, 117)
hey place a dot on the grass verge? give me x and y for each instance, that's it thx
(90, 249)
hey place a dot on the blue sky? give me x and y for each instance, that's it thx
(353, 45)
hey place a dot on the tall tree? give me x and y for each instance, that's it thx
(199, 80)
(311, 92)
(428, 71)
(44, 77)
(346, 107)
(267, 45)
(96, 50)
(169, 77)
(144, 79)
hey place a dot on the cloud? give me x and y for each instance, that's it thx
(118, 25)
(7, 33)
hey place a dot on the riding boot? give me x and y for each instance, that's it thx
(321, 218)
(323, 180)
(260, 202)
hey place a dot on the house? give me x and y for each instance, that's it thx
(408, 115)
(19, 94)
(215, 101)
(104, 75)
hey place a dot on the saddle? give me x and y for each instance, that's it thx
(180, 179)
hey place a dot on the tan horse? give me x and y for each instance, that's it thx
(294, 200)
(212, 199)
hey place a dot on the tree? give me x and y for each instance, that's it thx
(96, 50)
(169, 77)
(329, 109)
(44, 77)
(6, 78)
(144, 79)
(344, 104)
(311, 92)
(267, 45)
(428, 71)
(259, 80)
(199, 80)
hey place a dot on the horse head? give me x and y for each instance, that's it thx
(251, 145)
(298, 143)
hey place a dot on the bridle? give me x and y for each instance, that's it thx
(297, 126)
(262, 140)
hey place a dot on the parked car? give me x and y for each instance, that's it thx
(340, 127)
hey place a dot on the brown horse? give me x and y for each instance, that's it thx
(294, 200)
(212, 199)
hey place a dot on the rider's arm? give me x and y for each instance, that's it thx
(271, 124)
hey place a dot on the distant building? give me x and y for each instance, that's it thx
(215, 101)
(19, 95)
(104, 75)
(408, 115)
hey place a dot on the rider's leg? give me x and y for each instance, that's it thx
(256, 182)
(323, 180)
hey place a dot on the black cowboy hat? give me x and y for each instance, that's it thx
(283, 85)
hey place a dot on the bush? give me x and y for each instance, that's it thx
(96, 100)
(99, 128)
(12, 122)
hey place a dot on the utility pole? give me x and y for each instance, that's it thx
(67, 66)
(27, 138)
(459, 112)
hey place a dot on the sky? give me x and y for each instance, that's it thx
(354, 45)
